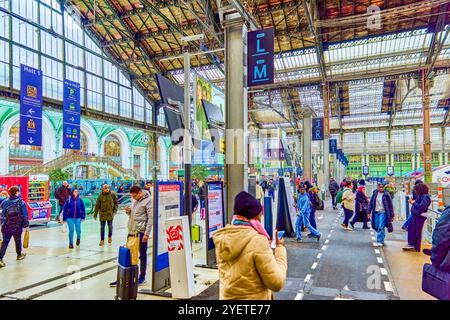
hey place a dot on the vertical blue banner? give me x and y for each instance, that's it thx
(333, 145)
(260, 61)
(366, 170)
(71, 115)
(30, 106)
(317, 129)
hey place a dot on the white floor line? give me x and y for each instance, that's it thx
(373, 238)
(308, 277)
(374, 244)
(299, 296)
(380, 260)
(319, 256)
(388, 286)
(383, 271)
(314, 266)
(377, 251)
(324, 248)
(331, 231)
(327, 241)
(329, 236)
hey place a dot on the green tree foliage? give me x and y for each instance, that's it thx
(199, 172)
(58, 175)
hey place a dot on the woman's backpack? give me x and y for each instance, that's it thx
(339, 196)
(13, 217)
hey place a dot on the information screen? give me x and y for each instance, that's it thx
(215, 207)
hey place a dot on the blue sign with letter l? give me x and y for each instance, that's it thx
(30, 106)
(333, 145)
(260, 57)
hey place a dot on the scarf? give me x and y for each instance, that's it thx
(361, 189)
(251, 223)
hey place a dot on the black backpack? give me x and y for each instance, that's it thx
(13, 216)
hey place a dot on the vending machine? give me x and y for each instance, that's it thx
(35, 191)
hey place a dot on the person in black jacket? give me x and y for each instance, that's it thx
(440, 251)
(382, 212)
(334, 189)
(361, 207)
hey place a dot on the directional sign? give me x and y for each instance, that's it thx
(71, 115)
(317, 129)
(260, 59)
(366, 170)
(30, 106)
(333, 145)
(390, 170)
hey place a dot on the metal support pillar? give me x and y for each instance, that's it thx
(426, 126)
(236, 110)
(326, 140)
(307, 155)
(187, 140)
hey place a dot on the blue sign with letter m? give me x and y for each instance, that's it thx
(260, 57)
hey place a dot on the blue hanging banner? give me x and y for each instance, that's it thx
(317, 129)
(260, 59)
(365, 170)
(30, 106)
(71, 115)
(333, 145)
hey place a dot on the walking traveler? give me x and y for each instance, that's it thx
(62, 194)
(382, 212)
(361, 208)
(419, 216)
(106, 206)
(73, 214)
(333, 188)
(348, 203)
(303, 215)
(248, 267)
(14, 219)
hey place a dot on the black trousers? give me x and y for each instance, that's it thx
(102, 229)
(6, 238)
(333, 200)
(142, 256)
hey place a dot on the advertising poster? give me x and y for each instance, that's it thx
(203, 90)
(215, 207)
(290, 198)
(30, 106)
(71, 115)
(168, 205)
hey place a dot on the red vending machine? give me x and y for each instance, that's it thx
(35, 191)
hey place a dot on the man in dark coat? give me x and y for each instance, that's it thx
(334, 189)
(440, 251)
(62, 194)
(382, 212)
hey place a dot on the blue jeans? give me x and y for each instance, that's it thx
(74, 224)
(347, 215)
(298, 226)
(272, 194)
(407, 222)
(379, 221)
(312, 218)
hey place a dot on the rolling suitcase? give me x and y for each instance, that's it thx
(196, 233)
(127, 282)
(124, 256)
(436, 282)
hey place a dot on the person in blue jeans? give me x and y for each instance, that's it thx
(74, 213)
(304, 211)
(382, 212)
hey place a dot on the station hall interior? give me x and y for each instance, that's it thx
(160, 113)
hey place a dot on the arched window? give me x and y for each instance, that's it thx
(112, 149)
(22, 156)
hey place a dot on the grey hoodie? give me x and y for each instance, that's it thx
(141, 217)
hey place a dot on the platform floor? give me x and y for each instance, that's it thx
(343, 265)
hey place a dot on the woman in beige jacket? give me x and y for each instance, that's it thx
(248, 268)
(348, 202)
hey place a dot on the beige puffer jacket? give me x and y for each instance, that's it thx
(248, 268)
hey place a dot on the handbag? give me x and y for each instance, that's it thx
(26, 239)
(133, 245)
(436, 282)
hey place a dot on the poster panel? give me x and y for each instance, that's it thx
(169, 203)
(71, 115)
(215, 210)
(290, 198)
(30, 122)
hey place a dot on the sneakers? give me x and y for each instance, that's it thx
(353, 225)
(348, 229)
(141, 281)
(2, 264)
(70, 246)
(408, 248)
(343, 226)
(102, 243)
(299, 240)
(78, 242)
(379, 244)
(113, 284)
(21, 257)
(109, 240)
